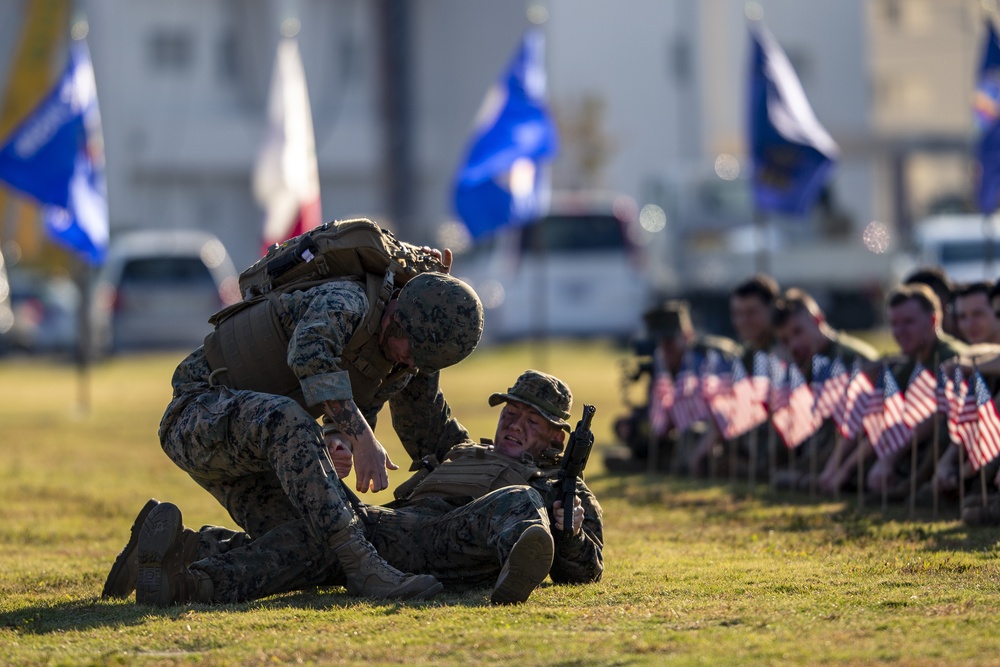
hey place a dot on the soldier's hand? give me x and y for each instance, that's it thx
(558, 515)
(370, 464)
(340, 452)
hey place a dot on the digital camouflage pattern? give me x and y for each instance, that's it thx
(443, 320)
(262, 456)
(547, 394)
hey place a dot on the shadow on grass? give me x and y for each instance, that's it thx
(836, 521)
(93, 613)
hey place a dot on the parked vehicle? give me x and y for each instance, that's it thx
(158, 288)
(575, 272)
(967, 249)
(6, 312)
(46, 313)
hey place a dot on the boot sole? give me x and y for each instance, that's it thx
(158, 538)
(121, 579)
(527, 566)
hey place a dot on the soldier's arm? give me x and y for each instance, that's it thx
(422, 418)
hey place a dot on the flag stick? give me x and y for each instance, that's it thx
(861, 474)
(913, 474)
(982, 486)
(791, 468)
(885, 493)
(753, 439)
(961, 479)
(732, 461)
(935, 448)
(813, 465)
(653, 455)
(772, 454)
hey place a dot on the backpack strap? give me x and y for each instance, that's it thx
(379, 290)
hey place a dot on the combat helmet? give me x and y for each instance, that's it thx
(442, 318)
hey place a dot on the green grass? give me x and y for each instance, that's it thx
(695, 573)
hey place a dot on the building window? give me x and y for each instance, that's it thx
(171, 49)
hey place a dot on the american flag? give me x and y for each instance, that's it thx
(689, 406)
(661, 398)
(716, 389)
(873, 419)
(920, 399)
(820, 373)
(834, 394)
(747, 411)
(944, 386)
(963, 412)
(987, 445)
(796, 420)
(855, 403)
(895, 433)
(777, 397)
(761, 380)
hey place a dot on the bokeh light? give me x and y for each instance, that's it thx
(290, 27)
(754, 11)
(213, 253)
(876, 237)
(652, 218)
(453, 234)
(727, 167)
(538, 13)
(491, 293)
(79, 30)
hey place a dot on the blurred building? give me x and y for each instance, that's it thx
(649, 95)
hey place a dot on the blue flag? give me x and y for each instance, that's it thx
(501, 181)
(56, 156)
(792, 153)
(987, 111)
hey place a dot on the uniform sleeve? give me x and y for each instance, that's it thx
(422, 418)
(325, 318)
(580, 559)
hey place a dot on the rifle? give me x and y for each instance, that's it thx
(581, 441)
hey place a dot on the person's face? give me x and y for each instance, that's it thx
(751, 318)
(913, 328)
(672, 348)
(976, 321)
(801, 336)
(397, 350)
(522, 429)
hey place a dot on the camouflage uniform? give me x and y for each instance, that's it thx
(261, 455)
(459, 522)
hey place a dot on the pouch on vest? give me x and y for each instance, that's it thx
(473, 470)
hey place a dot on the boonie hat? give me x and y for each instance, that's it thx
(545, 393)
(667, 319)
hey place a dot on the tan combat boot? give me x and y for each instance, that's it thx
(527, 566)
(162, 576)
(121, 579)
(368, 574)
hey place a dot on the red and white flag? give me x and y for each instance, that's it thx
(747, 410)
(854, 407)
(834, 392)
(920, 399)
(797, 420)
(661, 397)
(963, 411)
(986, 446)
(895, 433)
(286, 175)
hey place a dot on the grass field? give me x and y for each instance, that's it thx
(696, 573)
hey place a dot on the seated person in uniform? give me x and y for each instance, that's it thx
(803, 331)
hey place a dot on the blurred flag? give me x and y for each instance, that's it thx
(859, 389)
(689, 406)
(793, 155)
(831, 400)
(986, 446)
(895, 433)
(761, 381)
(873, 419)
(920, 399)
(286, 176)
(56, 155)
(986, 106)
(502, 181)
(820, 374)
(777, 397)
(963, 412)
(661, 398)
(797, 420)
(747, 409)
(716, 389)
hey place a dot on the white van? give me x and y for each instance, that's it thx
(960, 245)
(574, 273)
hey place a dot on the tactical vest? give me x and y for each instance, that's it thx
(474, 470)
(249, 348)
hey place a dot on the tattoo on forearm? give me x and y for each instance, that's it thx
(346, 416)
